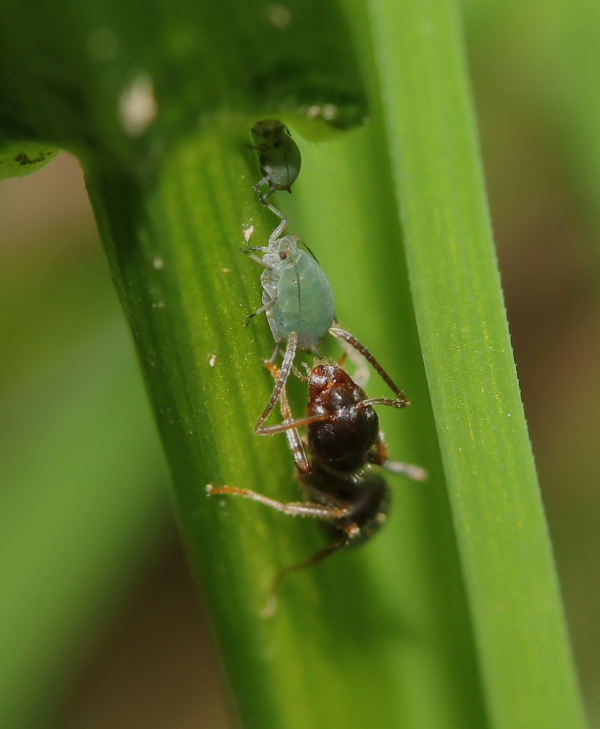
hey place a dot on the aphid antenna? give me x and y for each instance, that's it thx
(309, 250)
(353, 341)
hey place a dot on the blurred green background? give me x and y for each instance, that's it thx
(122, 641)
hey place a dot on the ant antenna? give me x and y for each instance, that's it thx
(353, 341)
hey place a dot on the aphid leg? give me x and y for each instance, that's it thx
(271, 607)
(284, 373)
(267, 180)
(256, 258)
(345, 336)
(293, 437)
(379, 456)
(266, 307)
(281, 227)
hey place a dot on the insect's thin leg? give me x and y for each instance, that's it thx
(281, 227)
(292, 508)
(293, 437)
(299, 375)
(381, 401)
(266, 307)
(284, 373)
(256, 258)
(273, 357)
(289, 424)
(257, 188)
(271, 607)
(345, 336)
(415, 473)
(379, 456)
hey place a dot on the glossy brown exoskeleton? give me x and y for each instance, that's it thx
(342, 439)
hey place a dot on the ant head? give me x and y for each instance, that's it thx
(342, 440)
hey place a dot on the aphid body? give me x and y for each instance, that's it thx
(278, 156)
(296, 294)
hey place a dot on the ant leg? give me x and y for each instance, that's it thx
(415, 473)
(382, 401)
(271, 607)
(284, 373)
(289, 424)
(345, 336)
(380, 458)
(292, 508)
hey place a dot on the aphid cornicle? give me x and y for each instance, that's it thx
(343, 437)
(278, 156)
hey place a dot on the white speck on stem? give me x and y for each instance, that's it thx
(212, 360)
(279, 16)
(137, 106)
(103, 45)
(248, 233)
(158, 263)
(225, 270)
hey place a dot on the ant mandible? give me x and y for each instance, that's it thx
(343, 438)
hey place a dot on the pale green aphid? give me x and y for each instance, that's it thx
(278, 155)
(297, 296)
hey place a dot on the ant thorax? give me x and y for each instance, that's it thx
(341, 442)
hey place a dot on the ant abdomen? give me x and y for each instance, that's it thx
(366, 494)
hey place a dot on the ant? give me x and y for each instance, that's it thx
(343, 439)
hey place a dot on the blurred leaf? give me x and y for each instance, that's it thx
(81, 503)
(22, 158)
(520, 634)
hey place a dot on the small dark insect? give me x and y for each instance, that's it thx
(278, 156)
(343, 439)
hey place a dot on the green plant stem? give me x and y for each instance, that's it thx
(184, 287)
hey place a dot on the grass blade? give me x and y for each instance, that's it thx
(525, 661)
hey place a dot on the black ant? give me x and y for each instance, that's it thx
(343, 438)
